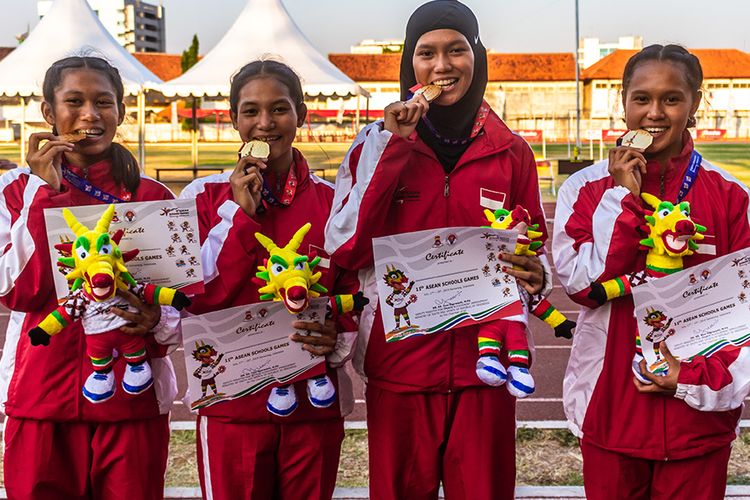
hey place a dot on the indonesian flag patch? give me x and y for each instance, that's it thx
(491, 199)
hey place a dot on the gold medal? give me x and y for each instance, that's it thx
(637, 139)
(257, 149)
(430, 92)
(73, 137)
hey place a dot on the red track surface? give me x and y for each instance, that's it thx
(548, 369)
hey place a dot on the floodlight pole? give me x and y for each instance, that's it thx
(578, 91)
(141, 101)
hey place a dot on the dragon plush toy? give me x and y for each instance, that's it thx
(489, 368)
(289, 277)
(519, 220)
(98, 272)
(672, 235)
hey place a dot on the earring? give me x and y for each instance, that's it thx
(692, 122)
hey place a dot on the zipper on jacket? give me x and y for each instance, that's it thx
(447, 188)
(664, 433)
(661, 187)
(450, 363)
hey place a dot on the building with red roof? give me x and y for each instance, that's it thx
(726, 90)
(527, 90)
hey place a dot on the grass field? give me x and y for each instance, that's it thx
(543, 458)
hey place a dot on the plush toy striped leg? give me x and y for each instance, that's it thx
(549, 314)
(489, 369)
(520, 381)
(137, 377)
(100, 385)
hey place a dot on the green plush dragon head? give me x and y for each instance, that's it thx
(287, 275)
(519, 221)
(672, 234)
(96, 260)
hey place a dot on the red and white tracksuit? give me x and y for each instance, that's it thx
(596, 239)
(57, 444)
(429, 416)
(243, 450)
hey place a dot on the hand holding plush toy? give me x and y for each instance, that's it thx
(98, 272)
(288, 276)
(672, 235)
(513, 335)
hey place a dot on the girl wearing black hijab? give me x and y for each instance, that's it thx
(428, 166)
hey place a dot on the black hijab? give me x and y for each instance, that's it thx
(457, 120)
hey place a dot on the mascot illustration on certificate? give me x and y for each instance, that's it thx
(672, 235)
(288, 276)
(660, 332)
(208, 370)
(98, 272)
(400, 297)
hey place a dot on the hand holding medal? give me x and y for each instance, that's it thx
(627, 165)
(401, 117)
(45, 160)
(247, 180)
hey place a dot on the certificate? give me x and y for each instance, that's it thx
(697, 311)
(435, 280)
(239, 351)
(165, 232)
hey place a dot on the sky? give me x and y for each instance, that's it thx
(505, 25)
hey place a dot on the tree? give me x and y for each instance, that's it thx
(190, 55)
(188, 59)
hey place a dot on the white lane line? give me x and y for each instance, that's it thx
(189, 425)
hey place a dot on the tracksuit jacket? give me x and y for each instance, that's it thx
(595, 239)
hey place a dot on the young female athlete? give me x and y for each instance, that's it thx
(245, 450)
(431, 165)
(58, 444)
(670, 438)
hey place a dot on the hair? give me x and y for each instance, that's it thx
(125, 169)
(675, 54)
(266, 68)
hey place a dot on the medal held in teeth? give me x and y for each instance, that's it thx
(430, 92)
(637, 139)
(73, 136)
(257, 149)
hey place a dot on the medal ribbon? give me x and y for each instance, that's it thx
(86, 187)
(690, 175)
(479, 121)
(287, 195)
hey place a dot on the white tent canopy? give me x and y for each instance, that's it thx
(69, 28)
(263, 27)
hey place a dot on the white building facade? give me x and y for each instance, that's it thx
(137, 25)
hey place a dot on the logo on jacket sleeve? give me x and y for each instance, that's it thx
(491, 199)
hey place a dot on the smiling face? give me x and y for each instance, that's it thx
(444, 58)
(266, 112)
(86, 103)
(659, 100)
